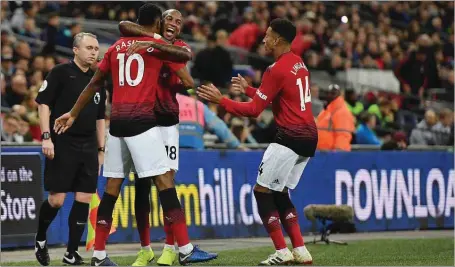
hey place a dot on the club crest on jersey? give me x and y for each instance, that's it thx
(97, 98)
(297, 67)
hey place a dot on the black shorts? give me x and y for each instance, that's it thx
(74, 167)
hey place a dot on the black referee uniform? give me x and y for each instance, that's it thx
(74, 167)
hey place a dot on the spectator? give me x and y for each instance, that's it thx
(7, 63)
(354, 105)
(423, 134)
(38, 63)
(50, 34)
(24, 134)
(22, 64)
(365, 134)
(413, 73)
(3, 88)
(29, 29)
(10, 128)
(67, 36)
(28, 10)
(5, 23)
(31, 109)
(6, 39)
(214, 63)
(36, 79)
(247, 34)
(335, 123)
(49, 64)
(372, 38)
(443, 128)
(398, 142)
(383, 113)
(22, 50)
(316, 104)
(194, 117)
(18, 91)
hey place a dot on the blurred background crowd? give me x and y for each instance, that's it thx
(414, 41)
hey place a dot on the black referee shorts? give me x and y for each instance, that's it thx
(74, 167)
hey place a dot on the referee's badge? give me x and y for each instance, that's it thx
(97, 98)
(43, 86)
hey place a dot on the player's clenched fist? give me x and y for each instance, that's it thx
(63, 123)
(48, 148)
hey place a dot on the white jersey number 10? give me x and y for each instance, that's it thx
(305, 96)
(124, 70)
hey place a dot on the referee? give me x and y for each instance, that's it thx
(72, 159)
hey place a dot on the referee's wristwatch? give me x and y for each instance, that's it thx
(46, 136)
(101, 149)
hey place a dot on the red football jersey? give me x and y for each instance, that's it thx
(135, 82)
(285, 84)
(167, 107)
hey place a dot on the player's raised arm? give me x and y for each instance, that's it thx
(130, 29)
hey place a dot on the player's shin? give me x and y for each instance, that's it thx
(289, 218)
(103, 224)
(175, 217)
(142, 210)
(270, 218)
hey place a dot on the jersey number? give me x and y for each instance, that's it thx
(124, 70)
(171, 152)
(305, 96)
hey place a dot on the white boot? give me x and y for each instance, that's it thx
(279, 258)
(302, 255)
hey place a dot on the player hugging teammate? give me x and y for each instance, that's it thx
(134, 141)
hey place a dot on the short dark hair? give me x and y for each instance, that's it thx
(148, 14)
(365, 117)
(284, 28)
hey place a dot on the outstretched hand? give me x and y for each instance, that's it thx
(209, 93)
(63, 123)
(239, 84)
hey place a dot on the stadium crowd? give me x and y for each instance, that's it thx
(414, 39)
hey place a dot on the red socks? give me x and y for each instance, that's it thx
(169, 233)
(176, 219)
(273, 227)
(291, 225)
(143, 227)
(103, 227)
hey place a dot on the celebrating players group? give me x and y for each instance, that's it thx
(148, 67)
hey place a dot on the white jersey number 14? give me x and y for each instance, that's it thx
(305, 96)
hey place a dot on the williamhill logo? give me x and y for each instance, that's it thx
(209, 202)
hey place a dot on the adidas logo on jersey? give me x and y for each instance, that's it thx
(276, 181)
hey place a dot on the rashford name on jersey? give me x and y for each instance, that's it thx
(134, 93)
